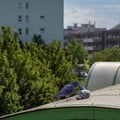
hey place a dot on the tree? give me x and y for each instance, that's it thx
(38, 40)
(35, 82)
(111, 54)
(76, 53)
(28, 74)
(9, 48)
(58, 64)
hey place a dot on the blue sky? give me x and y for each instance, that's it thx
(106, 13)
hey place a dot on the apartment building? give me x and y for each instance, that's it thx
(29, 17)
(93, 39)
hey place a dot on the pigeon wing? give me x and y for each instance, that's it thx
(67, 90)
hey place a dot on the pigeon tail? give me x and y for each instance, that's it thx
(57, 96)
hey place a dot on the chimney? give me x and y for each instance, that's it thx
(94, 23)
(89, 22)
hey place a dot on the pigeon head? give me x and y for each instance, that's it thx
(81, 87)
(76, 83)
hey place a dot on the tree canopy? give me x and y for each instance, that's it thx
(75, 52)
(29, 73)
(107, 55)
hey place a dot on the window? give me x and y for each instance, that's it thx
(42, 16)
(27, 5)
(20, 31)
(27, 18)
(42, 29)
(19, 5)
(27, 31)
(19, 18)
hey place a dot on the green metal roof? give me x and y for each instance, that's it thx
(103, 104)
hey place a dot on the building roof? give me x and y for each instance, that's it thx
(108, 97)
(84, 28)
(117, 27)
(103, 74)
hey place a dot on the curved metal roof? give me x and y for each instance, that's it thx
(103, 74)
(106, 98)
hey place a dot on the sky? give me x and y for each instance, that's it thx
(105, 13)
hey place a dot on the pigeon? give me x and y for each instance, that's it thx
(81, 87)
(67, 90)
(83, 93)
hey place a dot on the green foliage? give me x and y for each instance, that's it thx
(59, 65)
(38, 40)
(76, 53)
(29, 73)
(9, 97)
(111, 54)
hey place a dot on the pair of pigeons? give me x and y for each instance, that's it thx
(68, 90)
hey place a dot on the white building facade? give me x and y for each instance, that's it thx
(29, 17)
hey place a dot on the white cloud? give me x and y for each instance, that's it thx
(110, 6)
(78, 15)
(105, 16)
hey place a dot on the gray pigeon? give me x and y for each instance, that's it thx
(83, 93)
(67, 90)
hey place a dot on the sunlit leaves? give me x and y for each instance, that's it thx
(111, 54)
(30, 75)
